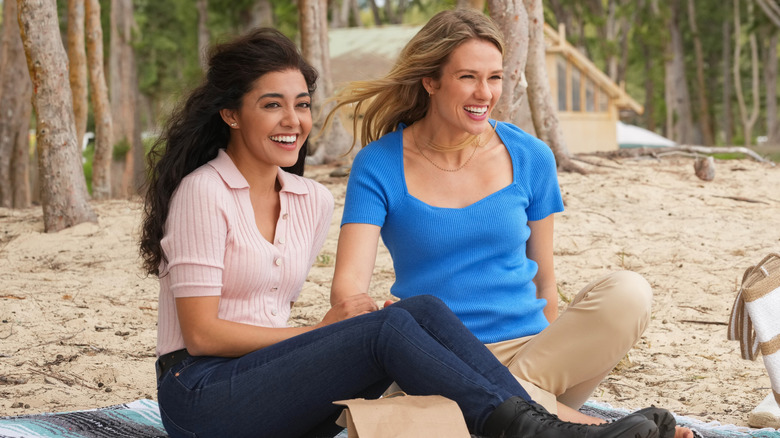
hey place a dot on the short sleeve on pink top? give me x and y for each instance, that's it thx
(213, 248)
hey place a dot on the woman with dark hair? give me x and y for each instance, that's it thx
(231, 235)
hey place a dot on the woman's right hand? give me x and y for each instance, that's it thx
(352, 305)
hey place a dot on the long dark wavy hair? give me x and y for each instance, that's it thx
(195, 131)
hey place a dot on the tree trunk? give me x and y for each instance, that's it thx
(203, 32)
(770, 81)
(78, 66)
(748, 120)
(611, 31)
(623, 34)
(333, 143)
(398, 17)
(727, 119)
(375, 12)
(104, 141)
(391, 16)
(63, 189)
(124, 94)
(336, 18)
(353, 6)
(543, 113)
(16, 104)
(512, 19)
(680, 98)
(343, 12)
(260, 14)
(479, 4)
(704, 106)
(649, 114)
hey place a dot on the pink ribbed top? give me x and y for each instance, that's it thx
(213, 247)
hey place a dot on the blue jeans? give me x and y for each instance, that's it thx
(288, 389)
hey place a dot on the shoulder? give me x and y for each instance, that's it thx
(388, 146)
(203, 182)
(517, 139)
(317, 193)
(380, 160)
(312, 187)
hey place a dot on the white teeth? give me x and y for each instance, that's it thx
(284, 138)
(478, 110)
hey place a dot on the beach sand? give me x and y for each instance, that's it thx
(79, 317)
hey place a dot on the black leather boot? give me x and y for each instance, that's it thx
(518, 418)
(662, 418)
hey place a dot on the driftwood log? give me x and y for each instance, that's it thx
(658, 152)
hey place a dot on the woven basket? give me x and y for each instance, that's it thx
(755, 317)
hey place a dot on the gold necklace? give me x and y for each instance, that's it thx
(474, 152)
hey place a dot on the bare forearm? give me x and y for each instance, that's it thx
(551, 308)
(343, 287)
(355, 258)
(232, 339)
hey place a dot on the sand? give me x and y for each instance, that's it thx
(79, 317)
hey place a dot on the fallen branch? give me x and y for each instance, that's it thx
(723, 149)
(740, 198)
(661, 151)
(68, 380)
(599, 214)
(695, 321)
(52, 341)
(593, 163)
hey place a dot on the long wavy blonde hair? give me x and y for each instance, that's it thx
(400, 97)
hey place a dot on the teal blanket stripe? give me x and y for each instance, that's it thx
(138, 419)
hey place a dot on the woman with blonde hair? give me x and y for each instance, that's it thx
(465, 205)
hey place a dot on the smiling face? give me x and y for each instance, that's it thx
(468, 89)
(272, 123)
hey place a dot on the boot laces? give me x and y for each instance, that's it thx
(552, 421)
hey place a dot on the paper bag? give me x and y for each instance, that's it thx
(403, 416)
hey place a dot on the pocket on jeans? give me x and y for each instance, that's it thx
(173, 429)
(191, 371)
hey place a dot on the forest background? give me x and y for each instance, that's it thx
(705, 70)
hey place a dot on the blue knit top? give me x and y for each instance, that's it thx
(473, 258)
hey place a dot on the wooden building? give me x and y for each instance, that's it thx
(588, 101)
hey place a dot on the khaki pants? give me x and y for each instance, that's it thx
(568, 359)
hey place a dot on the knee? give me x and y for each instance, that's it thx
(427, 308)
(422, 302)
(625, 293)
(632, 294)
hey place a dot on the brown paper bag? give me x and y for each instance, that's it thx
(403, 416)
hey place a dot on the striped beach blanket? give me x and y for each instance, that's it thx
(141, 419)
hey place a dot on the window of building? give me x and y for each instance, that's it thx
(603, 101)
(562, 88)
(590, 97)
(576, 104)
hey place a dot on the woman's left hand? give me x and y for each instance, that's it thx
(352, 305)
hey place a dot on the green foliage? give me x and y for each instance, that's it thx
(121, 148)
(166, 45)
(88, 157)
(286, 16)
(729, 156)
